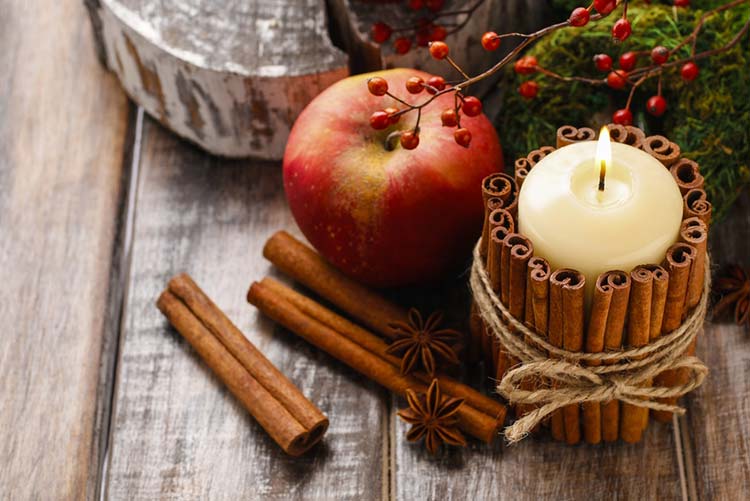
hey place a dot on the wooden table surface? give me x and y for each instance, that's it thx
(100, 205)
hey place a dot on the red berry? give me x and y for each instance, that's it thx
(462, 137)
(490, 41)
(689, 71)
(603, 62)
(381, 32)
(622, 29)
(659, 54)
(439, 50)
(579, 17)
(656, 105)
(438, 34)
(380, 120)
(377, 86)
(449, 118)
(409, 140)
(529, 89)
(617, 79)
(681, 3)
(437, 82)
(415, 85)
(416, 4)
(401, 45)
(623, 117)
(471, 106)
(392, 115)
(628, 60)
(435, 5)
(604, 7)
(526, 65)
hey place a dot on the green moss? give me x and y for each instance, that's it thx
(709, 118)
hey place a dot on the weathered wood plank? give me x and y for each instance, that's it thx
(62, 134)
(177, 433)
(719, 411)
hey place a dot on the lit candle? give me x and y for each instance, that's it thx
(596, 206)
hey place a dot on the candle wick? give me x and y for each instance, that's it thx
(602, 173)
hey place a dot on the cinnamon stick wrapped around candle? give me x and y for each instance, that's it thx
(566, 331)
(567, 134)
(524, 165)
(626, 134)
(502, 186)
(696, 204)
(678, 262)
(662, 149)
(290, 419)
(305, 266)
(472, 421)
(490, 205)
(604, 289)
(489, 344)
(694, 231)
(686, 174)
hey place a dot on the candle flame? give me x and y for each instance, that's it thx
(603, 155)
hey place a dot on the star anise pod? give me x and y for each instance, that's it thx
(419, 341)
(735, 289)
(433, 417)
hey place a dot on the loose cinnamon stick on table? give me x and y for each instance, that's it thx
(678, 262)
(566, 331)
(603, 290)
(696, 204)
(567, 134)
(686, 174)
(618, 309)
(662, 149)
(290, 419)
(475, 423)
(305, 266)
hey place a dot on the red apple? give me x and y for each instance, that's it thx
(387, 217)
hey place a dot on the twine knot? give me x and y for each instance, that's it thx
(561, 377)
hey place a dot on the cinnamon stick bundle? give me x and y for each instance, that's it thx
(307, 267)
(567, 134)
(288, 417)
(524, 165)
(678, 262)
(686, 174)
(696, 204)
(566, 331)
(604, 289)
(491, 204)
(662, 149)
(626, 134)
(472, 421)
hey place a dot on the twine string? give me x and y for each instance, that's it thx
(568, 380)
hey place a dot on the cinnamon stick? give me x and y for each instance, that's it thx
(686, 174)
(626, 134)
(521, 169)
(288, 417)
(489, 343)
(694, 231)
(662, 149)
(567, 134)
(566, 330)
(491, 204)
(696, 204)
(502, 186)
(475, 423)
(613, 332)
(305, 266)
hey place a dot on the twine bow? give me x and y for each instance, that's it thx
(621, 376)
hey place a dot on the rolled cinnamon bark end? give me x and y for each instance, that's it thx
(521, 170)
(494, 257)
(686, 174)
(539, 273)
(567, 134)
(626, 134)
(502, 186)
(696, 204)
(490, 205)
(662, 149)
(307, 267)
(295, 428)
(695, 232)
(566, 330)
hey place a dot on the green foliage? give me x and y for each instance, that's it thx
(709, 118)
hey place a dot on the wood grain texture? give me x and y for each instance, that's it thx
(229, 76)
(178, 433)
(62, 129)
(719, 411)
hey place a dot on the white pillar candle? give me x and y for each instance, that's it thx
(574, 224)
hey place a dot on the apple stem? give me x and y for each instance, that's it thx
(392, 139)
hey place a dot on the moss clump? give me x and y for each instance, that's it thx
(709, 118)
